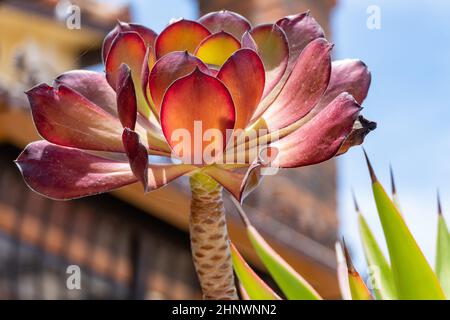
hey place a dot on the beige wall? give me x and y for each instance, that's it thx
(48, 47)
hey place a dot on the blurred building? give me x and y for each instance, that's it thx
(126, 243)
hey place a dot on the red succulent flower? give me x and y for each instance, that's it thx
(104, 131)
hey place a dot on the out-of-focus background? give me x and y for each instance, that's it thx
(128, 245)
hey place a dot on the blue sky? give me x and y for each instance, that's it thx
(410, 61)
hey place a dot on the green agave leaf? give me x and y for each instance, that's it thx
(443, 253)
(413, 276)
(342, 272)
(244, 294)
(358, 288)
(290, 282)
(379, 269)
(254, 287)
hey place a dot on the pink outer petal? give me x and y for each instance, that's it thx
(197, 99)
(304, 88)
(240, 181)
(63, 116)
(300, 30)
(271, 44)
(168, 69)
(243, 75)
(320, 138)
(350, 76)
(148, 35)
(94, 87)
(64, 173)
(109, 38)
(180, 36)
(227, 21)
(129, 48)
(91, 85)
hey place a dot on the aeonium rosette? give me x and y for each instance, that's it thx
(214, 95)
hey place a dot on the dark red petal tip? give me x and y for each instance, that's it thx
(126, 98)
(361, 128)
(137, 155)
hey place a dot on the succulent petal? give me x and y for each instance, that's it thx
(169, 68)
(227, 21)
(217, 48)
(148, 35)
(180, 36)
(126, 98)
(300, 30)
(270, 41)
(137, 156)
(194, 106)
(91, 85)
(63, 173)
(128, 48)
(240, 181)
(63, 116)
(350, 76)
(320, 138)
(304, 88)
(243, 75)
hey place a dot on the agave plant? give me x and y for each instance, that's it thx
(407, 276)
(181, 102)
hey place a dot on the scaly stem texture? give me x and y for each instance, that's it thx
(209, 239)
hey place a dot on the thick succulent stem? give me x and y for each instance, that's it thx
(209, 239)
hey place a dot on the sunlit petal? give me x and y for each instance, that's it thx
(196, 105)
(243, 75)
(180, 36)
(168, 69)
(217, 48)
